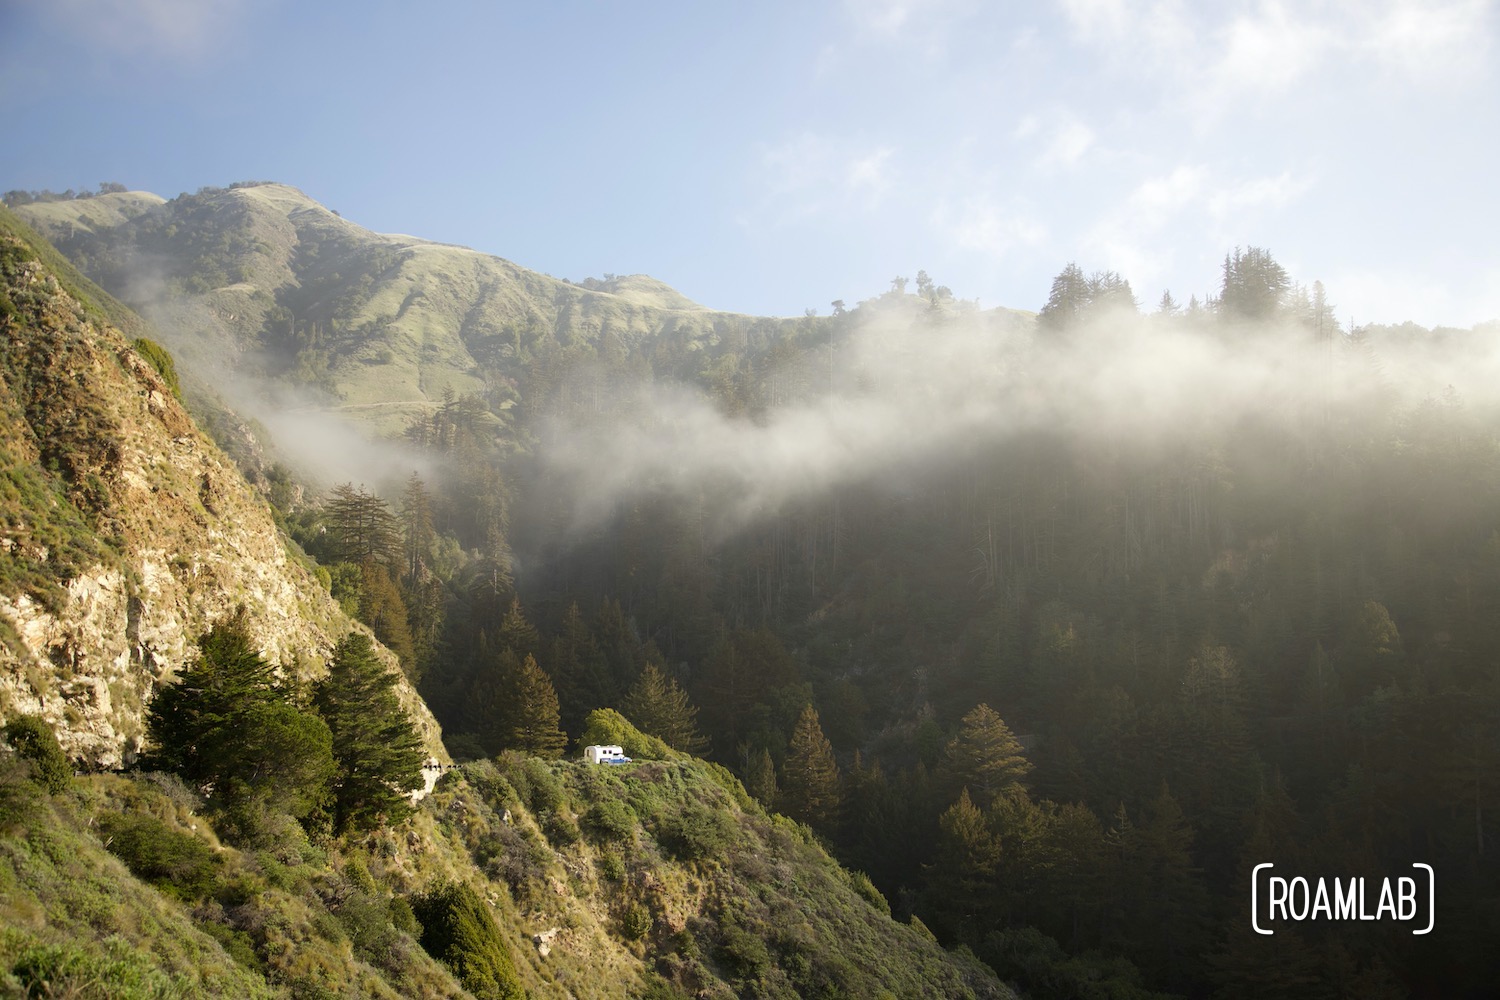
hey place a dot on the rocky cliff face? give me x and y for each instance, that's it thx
(126, 533)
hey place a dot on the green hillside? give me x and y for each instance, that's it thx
(1055, 625)
(263, 280)
(259, 843)
(657, 880)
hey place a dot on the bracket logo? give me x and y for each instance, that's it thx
(1410, 899)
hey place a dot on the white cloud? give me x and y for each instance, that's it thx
(185, 29)
(1099, 20)
(1431, 41)
(1212, 58)
(981, 225)
(1381, 296)
(1384, 297)
(870, 175)
(1257, 195)
(810, 175)
(1069, 141)
(923, 25)
(1267, 50)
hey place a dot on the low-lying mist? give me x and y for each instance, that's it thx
(902, 386)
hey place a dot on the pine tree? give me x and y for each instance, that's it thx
(659, 707)
(809, 775)
(381, 608)
(1255, 286)
(378, 752)
(533, 714)
(192, 724)
(361, 526)
(579, 671)
(488, 707)
(985, 756)
(416, 528)
(760, 778)
(225, 726)
(1067, 301)
(961, 882)
(516, 633)
(32, 738)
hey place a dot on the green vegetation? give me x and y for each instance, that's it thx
(226, 726)
(161, 361)
(458, 929)
(56, 437)
(34, 741)
(378, 754)
(1221, 641)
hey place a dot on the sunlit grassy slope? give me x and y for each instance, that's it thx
(262, 279)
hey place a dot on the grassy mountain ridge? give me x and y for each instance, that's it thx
(264, 280)
(127, 533)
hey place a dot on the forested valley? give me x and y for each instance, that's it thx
(1055, 689)
(1055, 626)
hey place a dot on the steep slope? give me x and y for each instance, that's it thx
(126, 532)
(265, 281)
(658, 880)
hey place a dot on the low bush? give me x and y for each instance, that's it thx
(177, 863)
(609, 820)
(697, 833)
(635, 921)
(33, 740)
(458, 930)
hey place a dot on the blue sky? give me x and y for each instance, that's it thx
(772, 157)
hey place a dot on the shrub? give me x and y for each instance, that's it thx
(19, 803)
(159, 359)
(697, 832)
(403, 919)
(611, 866)
(560, 829)
(33, 739)
(742, 954)
(635, 921)
(74, 970)
(177, 863)
(458, 930)
(866, 890)
(657, 988)
(609, 820)
(607, 727)
(544, 792)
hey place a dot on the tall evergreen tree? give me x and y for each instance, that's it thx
(579, 670)
(361, 526)
(417, 535)
(517, 633)
(810, 775)
(533, 713)
(382, 608)
(191, 724)
(760, 778)
(1254, 285)
(962, 877)
(378, 752)
(659, 707)
(985, 756)
(225, 726)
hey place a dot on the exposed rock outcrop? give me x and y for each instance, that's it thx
(163, 535)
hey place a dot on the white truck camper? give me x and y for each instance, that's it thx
(605, 755)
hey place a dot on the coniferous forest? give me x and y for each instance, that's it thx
(1056, 688)
(1054, 626)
